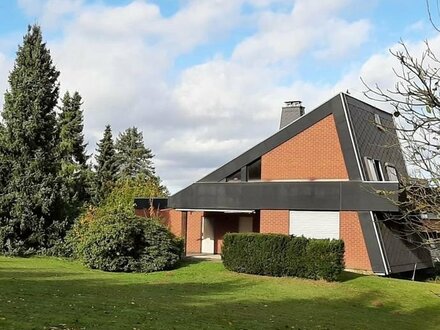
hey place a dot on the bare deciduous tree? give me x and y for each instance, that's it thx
(415, 99)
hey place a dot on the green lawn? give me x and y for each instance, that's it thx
(48, 293)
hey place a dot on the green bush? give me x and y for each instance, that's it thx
(283, 255)
(239, 253)
(437, 270)
(124, 242)
(119, 200)
(325, 258)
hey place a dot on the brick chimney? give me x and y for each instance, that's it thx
(290, 112)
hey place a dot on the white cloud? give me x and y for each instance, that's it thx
(418, 26)
(31, 7)
(345, 38)
(121, 60)
(50, 12)
(199, 22)
(379, 70)
(310, 26)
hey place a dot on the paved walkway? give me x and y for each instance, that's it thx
(204, 256)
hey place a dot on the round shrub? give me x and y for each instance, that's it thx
(124, 242)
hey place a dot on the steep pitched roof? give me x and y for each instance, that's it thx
(335, 106)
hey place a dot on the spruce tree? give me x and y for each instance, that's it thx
(4, 169)
(72, 147)
(74, 173)
(133, 158)
(106, 168)
(29, 143)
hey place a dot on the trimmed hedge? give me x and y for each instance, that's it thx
(283, 255)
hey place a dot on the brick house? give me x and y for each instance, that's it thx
(318, 176)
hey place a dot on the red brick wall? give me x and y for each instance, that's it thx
(356, 255)
(142, 212)
(173, 220)
(312, 154)
(274, 221)
(194, 232)
(271, 221)
(170, 218)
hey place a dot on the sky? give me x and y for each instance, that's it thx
(205, 80)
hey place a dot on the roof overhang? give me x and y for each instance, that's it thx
(307, 195)
(217, 210)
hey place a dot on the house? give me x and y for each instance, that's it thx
(318, 176)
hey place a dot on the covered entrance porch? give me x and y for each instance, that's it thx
(215, 224)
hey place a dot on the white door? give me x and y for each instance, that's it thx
(314, 224)
(207, 235)
(245, 225)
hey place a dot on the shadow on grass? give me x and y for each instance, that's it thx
(349, 276)
(187, 261)
(25, 274)
(46, 299)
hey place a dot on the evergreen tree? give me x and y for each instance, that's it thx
(106, 168)
(74, 173)
(29, 143)
(4, 170)
(133, 158)
(72, 147)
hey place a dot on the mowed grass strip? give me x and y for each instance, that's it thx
(50, 293)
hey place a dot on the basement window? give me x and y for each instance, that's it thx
(234, 177)
(253, 170)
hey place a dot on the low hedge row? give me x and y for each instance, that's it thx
(283, 255)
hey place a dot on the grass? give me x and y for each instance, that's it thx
(49, 293)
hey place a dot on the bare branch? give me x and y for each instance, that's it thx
(428, 8)
(415, 100)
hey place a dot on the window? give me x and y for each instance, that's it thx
(371, 169)
(254, 170)
(392, 173)
(234, 177)
(378, 121)
(374, 169)
(379, 172)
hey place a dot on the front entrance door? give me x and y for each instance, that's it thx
(207, 235)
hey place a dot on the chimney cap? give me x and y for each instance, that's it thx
(293, 103)
(290, 112)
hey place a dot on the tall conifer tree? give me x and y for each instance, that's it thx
(74, 173)
(29, 144)
(133, 158)
(106, 168)
(71, 125)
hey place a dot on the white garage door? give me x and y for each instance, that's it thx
(314, 224)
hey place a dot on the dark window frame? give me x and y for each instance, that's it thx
(390, 165)
(255, 167)
(234, 177)
(378, 122)
(376, 166)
